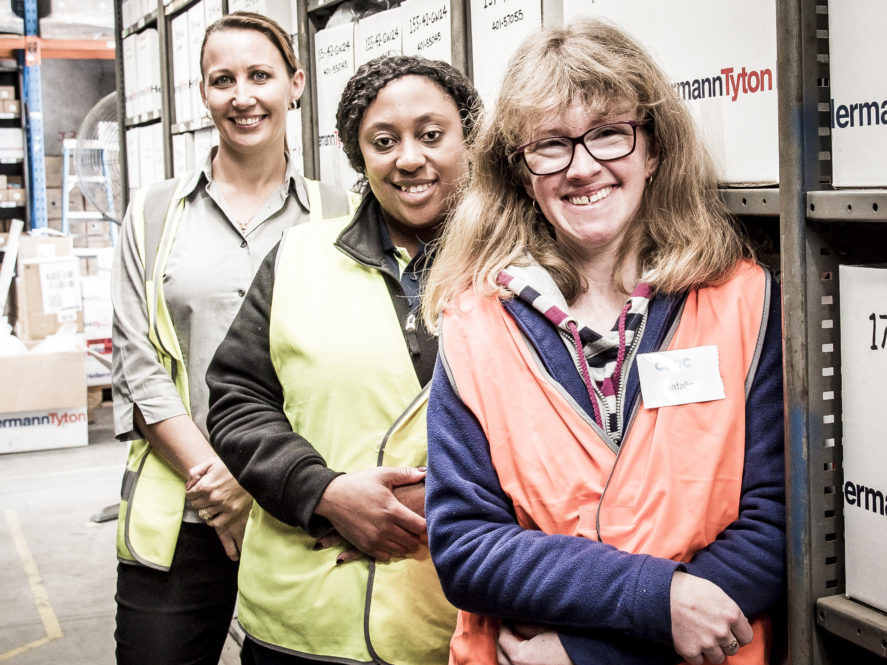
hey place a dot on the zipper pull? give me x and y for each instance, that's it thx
(409, 329)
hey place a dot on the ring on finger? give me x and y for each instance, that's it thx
(731, 648)
(204, 515)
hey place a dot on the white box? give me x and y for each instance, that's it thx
(181, 67)
(279, 10)
(721, 57)
(427, 29)
(378, 34)
(334, 58)
(497, 29)
(858, 84)
(133, 172)
(196, 28)
(212, 11)
(863, 292)
(45, 406)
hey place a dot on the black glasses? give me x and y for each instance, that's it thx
(605, 143)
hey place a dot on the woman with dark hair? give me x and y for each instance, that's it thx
(177, 577)
(606, 423)
(317, 399)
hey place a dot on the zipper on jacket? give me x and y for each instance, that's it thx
(409, 329)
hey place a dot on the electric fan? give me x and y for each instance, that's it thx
(97, 158)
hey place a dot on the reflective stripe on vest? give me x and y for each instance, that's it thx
(153, 493)
(346, 377)
(674, 483)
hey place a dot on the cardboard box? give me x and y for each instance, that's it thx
(45, 405)
(11, 106)
(12, 138)
(15, 195)
(53, 202)
(53, 169)
(98, 372)
(863, 293)
(47, 287)
(7, 92)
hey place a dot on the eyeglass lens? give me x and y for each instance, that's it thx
(604, 143)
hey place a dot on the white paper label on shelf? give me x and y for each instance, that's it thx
(427, 29)
(497, 28)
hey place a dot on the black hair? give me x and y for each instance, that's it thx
(371, 77)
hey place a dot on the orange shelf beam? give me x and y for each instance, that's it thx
(68, 49)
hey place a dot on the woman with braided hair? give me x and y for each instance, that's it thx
(317, 398)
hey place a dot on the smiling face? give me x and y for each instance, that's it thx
(591, 204)
(413, 148)
(247, 89)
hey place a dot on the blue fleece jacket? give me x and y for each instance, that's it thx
(607, 605)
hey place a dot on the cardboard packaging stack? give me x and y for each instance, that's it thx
(85, 232)
(863, 386)
(43, 400)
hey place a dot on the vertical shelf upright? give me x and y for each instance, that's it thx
(32, 98)
(821, 228)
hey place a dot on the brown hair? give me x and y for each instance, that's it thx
(252, 21)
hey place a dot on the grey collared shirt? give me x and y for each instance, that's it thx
(210, 268)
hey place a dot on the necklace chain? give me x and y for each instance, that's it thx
(243, 224)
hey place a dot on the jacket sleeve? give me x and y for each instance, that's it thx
(489, 564)
(247, 424)
(138, 378)
(748, 558)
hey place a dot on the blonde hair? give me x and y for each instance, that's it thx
(683, 236)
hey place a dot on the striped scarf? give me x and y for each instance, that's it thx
(604, 354)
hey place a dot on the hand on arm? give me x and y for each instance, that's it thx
(213, 490)
(705, 620)
(210, 485)
(363, 509)
(530, 645)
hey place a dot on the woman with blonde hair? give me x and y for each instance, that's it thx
(605, 421)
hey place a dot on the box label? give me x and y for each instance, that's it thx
(41, 430)
(863, 386)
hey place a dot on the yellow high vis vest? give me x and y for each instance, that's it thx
(351, 390)
(153, 494)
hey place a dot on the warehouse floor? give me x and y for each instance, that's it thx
(57, 566)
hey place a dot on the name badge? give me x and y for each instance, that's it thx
(683, 376)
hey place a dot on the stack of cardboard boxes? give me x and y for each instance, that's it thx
(86, 230)
(43, 399)
(12, 149)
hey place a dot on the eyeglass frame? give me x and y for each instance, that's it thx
(580, 140)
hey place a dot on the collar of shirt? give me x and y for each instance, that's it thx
(411, 273)
(204, 174)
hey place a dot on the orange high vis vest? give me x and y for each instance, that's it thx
(675, 482)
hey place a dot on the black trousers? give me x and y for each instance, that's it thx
(254, 653)
(179, 617)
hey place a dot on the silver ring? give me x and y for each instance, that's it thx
(733, 647)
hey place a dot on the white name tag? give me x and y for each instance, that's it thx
(682, 376)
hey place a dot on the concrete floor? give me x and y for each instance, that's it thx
(57, 566)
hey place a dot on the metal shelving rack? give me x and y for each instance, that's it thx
(820, 229)
(31, 50)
